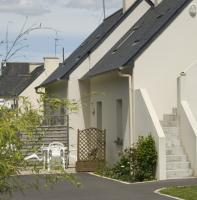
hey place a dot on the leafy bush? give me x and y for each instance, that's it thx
(15, 123)
(137, 163)
(144, 159)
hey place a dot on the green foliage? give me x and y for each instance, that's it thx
(13, 122)
(137, 163)
(144, 159)
(122, 169)
(17, 122)
(54, 103)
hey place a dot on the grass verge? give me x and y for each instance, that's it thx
(187, 193)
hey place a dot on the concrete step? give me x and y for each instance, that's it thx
(174, 111)
(56, 132)
(169, 123)
(169, 117)
(172, 174)
(176, 150)
(55, 128)
(51, 134)
(176, 158)
(173, 143)
(171, 130)
(178, 165)
(172, 138)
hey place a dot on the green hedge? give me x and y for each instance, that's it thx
(137, 163)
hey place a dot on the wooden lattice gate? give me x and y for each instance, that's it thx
(91, 149)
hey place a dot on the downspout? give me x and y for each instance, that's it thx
(131, 128)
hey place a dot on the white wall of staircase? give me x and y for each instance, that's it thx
(187, 112)
(177, 162)
(175, 158)
(147, 122)
(188, 131)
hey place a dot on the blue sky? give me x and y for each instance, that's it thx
(72, 20)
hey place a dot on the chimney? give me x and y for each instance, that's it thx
(51, 63)
(127, 4)
(157, 2)
(3, 65)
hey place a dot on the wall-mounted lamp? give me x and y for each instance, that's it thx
(183, 74)
(93, 111)
(193, 10)
(93, 108)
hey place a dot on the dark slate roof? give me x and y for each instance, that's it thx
(16, 77)
(92, 42)
(139, 37)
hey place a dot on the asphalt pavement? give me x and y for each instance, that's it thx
(96, 188)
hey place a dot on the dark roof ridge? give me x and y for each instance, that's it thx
(132, 7)
(150, 3)
(112, 14)
(161, 29)
(13, 85)
(64, 71)
(139, 37)
(34, 75)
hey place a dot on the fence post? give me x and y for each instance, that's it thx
(104, 145)
(78, 132)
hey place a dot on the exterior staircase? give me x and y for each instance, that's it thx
(47, 134)
(177, 164)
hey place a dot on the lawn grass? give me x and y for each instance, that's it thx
(187, 193)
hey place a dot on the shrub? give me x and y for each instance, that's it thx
(15, 123)
(144, 159)
(137, 163)
(122, 169)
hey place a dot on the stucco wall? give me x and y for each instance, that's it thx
(107, 89)
(187, 111)
(58, 89)
(146, 123)
(50, 64)
(159, 66)
(187, 84)
(127, 4)
(80, 90)
(188, 130)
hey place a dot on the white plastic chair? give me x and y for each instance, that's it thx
(33, 156)
(56, 150)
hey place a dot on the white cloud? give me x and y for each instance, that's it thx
(93, 4)
(74, 19)
(40, 7)
(24, 7)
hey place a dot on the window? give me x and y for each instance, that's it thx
(99, 114)
(119, 120)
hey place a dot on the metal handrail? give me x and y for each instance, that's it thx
(55, 120)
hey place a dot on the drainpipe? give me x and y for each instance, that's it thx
(131, 128)
(180, 93)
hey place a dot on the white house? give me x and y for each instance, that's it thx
(20, 79)
(135, 75)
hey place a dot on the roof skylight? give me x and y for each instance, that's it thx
(160, 16)
(135, 42)
(126, 38)
(114, 51)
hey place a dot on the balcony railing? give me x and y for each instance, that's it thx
(55, 120)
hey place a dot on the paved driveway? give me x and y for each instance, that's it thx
(95, 188)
